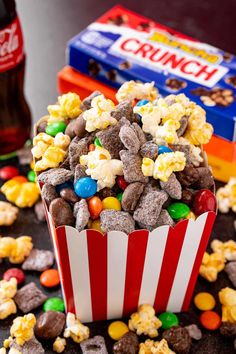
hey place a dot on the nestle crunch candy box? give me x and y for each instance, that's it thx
(122, 45)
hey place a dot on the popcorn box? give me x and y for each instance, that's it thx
(108, 276)
(122, 45)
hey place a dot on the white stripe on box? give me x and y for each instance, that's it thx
(152, 266)
(79, 266)
(117, 246)
(188, 254)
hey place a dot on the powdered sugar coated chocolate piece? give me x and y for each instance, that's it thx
(230, 269)
(131, 196)
(110, 140)
(66, 163)
(81, 214)
(79, 172)
(149, 206)
(183, 126)
(228, 329)
(206, 180)
(87, 101)
(95, 345)
(32, 346)
(132, 167)
(163, 219)
(150, 150)
(61, 212)
(188, 176)
(70, 129)
(179, 339)
(55, 176)
(172, 187)
(69, 195)
(112, 220)
(124, 109)
(128, 344)
(77, 148)
(194, 331)
(129, 138)
(29, 297)
(140, 133)
(79, 126)
(38, 260)
(49, 193)
(182, 148)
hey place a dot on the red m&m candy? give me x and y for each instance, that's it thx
(8, 172)
(14, 273)
(121, 182)
(204, 201)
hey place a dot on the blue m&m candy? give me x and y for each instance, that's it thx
(163, 149)
(85, 187)
(142, 103)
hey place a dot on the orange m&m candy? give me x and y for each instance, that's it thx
(91, 147)
(210, 320)
(50, 278)
(20, 179)
(95, 207)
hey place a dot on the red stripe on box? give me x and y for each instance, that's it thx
(169, 264)
(201, 249)
(97, 254)
(136, 252)
(64, 264)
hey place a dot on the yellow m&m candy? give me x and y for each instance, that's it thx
(111, 203)
(117, 329)
(204, 301)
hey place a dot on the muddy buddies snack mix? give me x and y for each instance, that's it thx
(137, 164)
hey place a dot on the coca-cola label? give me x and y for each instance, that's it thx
(11, 45)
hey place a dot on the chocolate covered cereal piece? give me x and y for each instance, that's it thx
(81, 214)
(79, 172)
(150, 150)
(194, 331)
(132, 167)
(94, 345)
(77, 148)
(110, 140)
(164, 219)
(49, 193)
(79, 126)
(230, 269)
(140, 133)
(50, 325)
(69, 195)
(29, 297)
(113, 220)
(32, 346)
(124, 109)
(182, 148)
(87, 101)
(61, 212)
(172, 187)
(228, 329)
(38, 260)
(149, 206)
(66, 163)
(128, 344)
(183, 126)
(131, 196)
(179, 339)
(129, 138)
(205, 180)
(55, 176)
(70, 128)
(188, 176)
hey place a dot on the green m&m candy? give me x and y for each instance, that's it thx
(54, 128)
(97, 142)
(31, 176)
(119, 196)
(168, 320)
(54, 304)
(178, 210)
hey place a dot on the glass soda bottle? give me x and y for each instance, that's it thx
(15, 117)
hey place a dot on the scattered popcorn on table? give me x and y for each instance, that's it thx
(134, 90)
(228, 249)
(144, 321)
(75, 329)
(226, 196)
(15, 249)
(59, 345)
(211, 265)
(8, 290)
(68, 106)
(99, 115)
(23, 328)
(227, 297)
(23, 195)
(151, 347)
(8, 214)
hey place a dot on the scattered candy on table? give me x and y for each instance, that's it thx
(8, 213)
(50, 278)
(204, 301)
(117, 329)
(16, 273)
(8, 172)
(54, 304)
(210, 320)
(31, 175)
(168, 320)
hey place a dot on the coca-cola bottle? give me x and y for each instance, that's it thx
(15, 117)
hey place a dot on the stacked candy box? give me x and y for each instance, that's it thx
(129, 198)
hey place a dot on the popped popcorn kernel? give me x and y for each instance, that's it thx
(228, 249)
(22, 195)
(147, 167)
(7, 308)
(3, 351)
(15, 249)
(211, 265)
(68, 107)
(75, 329)
(7, 342)
(151, 117)
(191, 215)
(41, 142)
(8, 214)
(14, 351)
(227, 297)
(198, 131)
(99, 115)
(59, 345)
(226, 196)
(62, 141)
(52, 158)
(167, 132)
(151, 347)
(23, 328)
(8, 289)
(164, 165)
(102, 167)
(131, 90)
(144, 321)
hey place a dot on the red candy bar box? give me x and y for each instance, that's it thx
(122, 45)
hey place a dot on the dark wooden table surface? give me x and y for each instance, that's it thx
(47, 25)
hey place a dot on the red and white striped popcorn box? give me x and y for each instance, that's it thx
(108, 276)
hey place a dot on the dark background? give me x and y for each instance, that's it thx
(47, 25)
